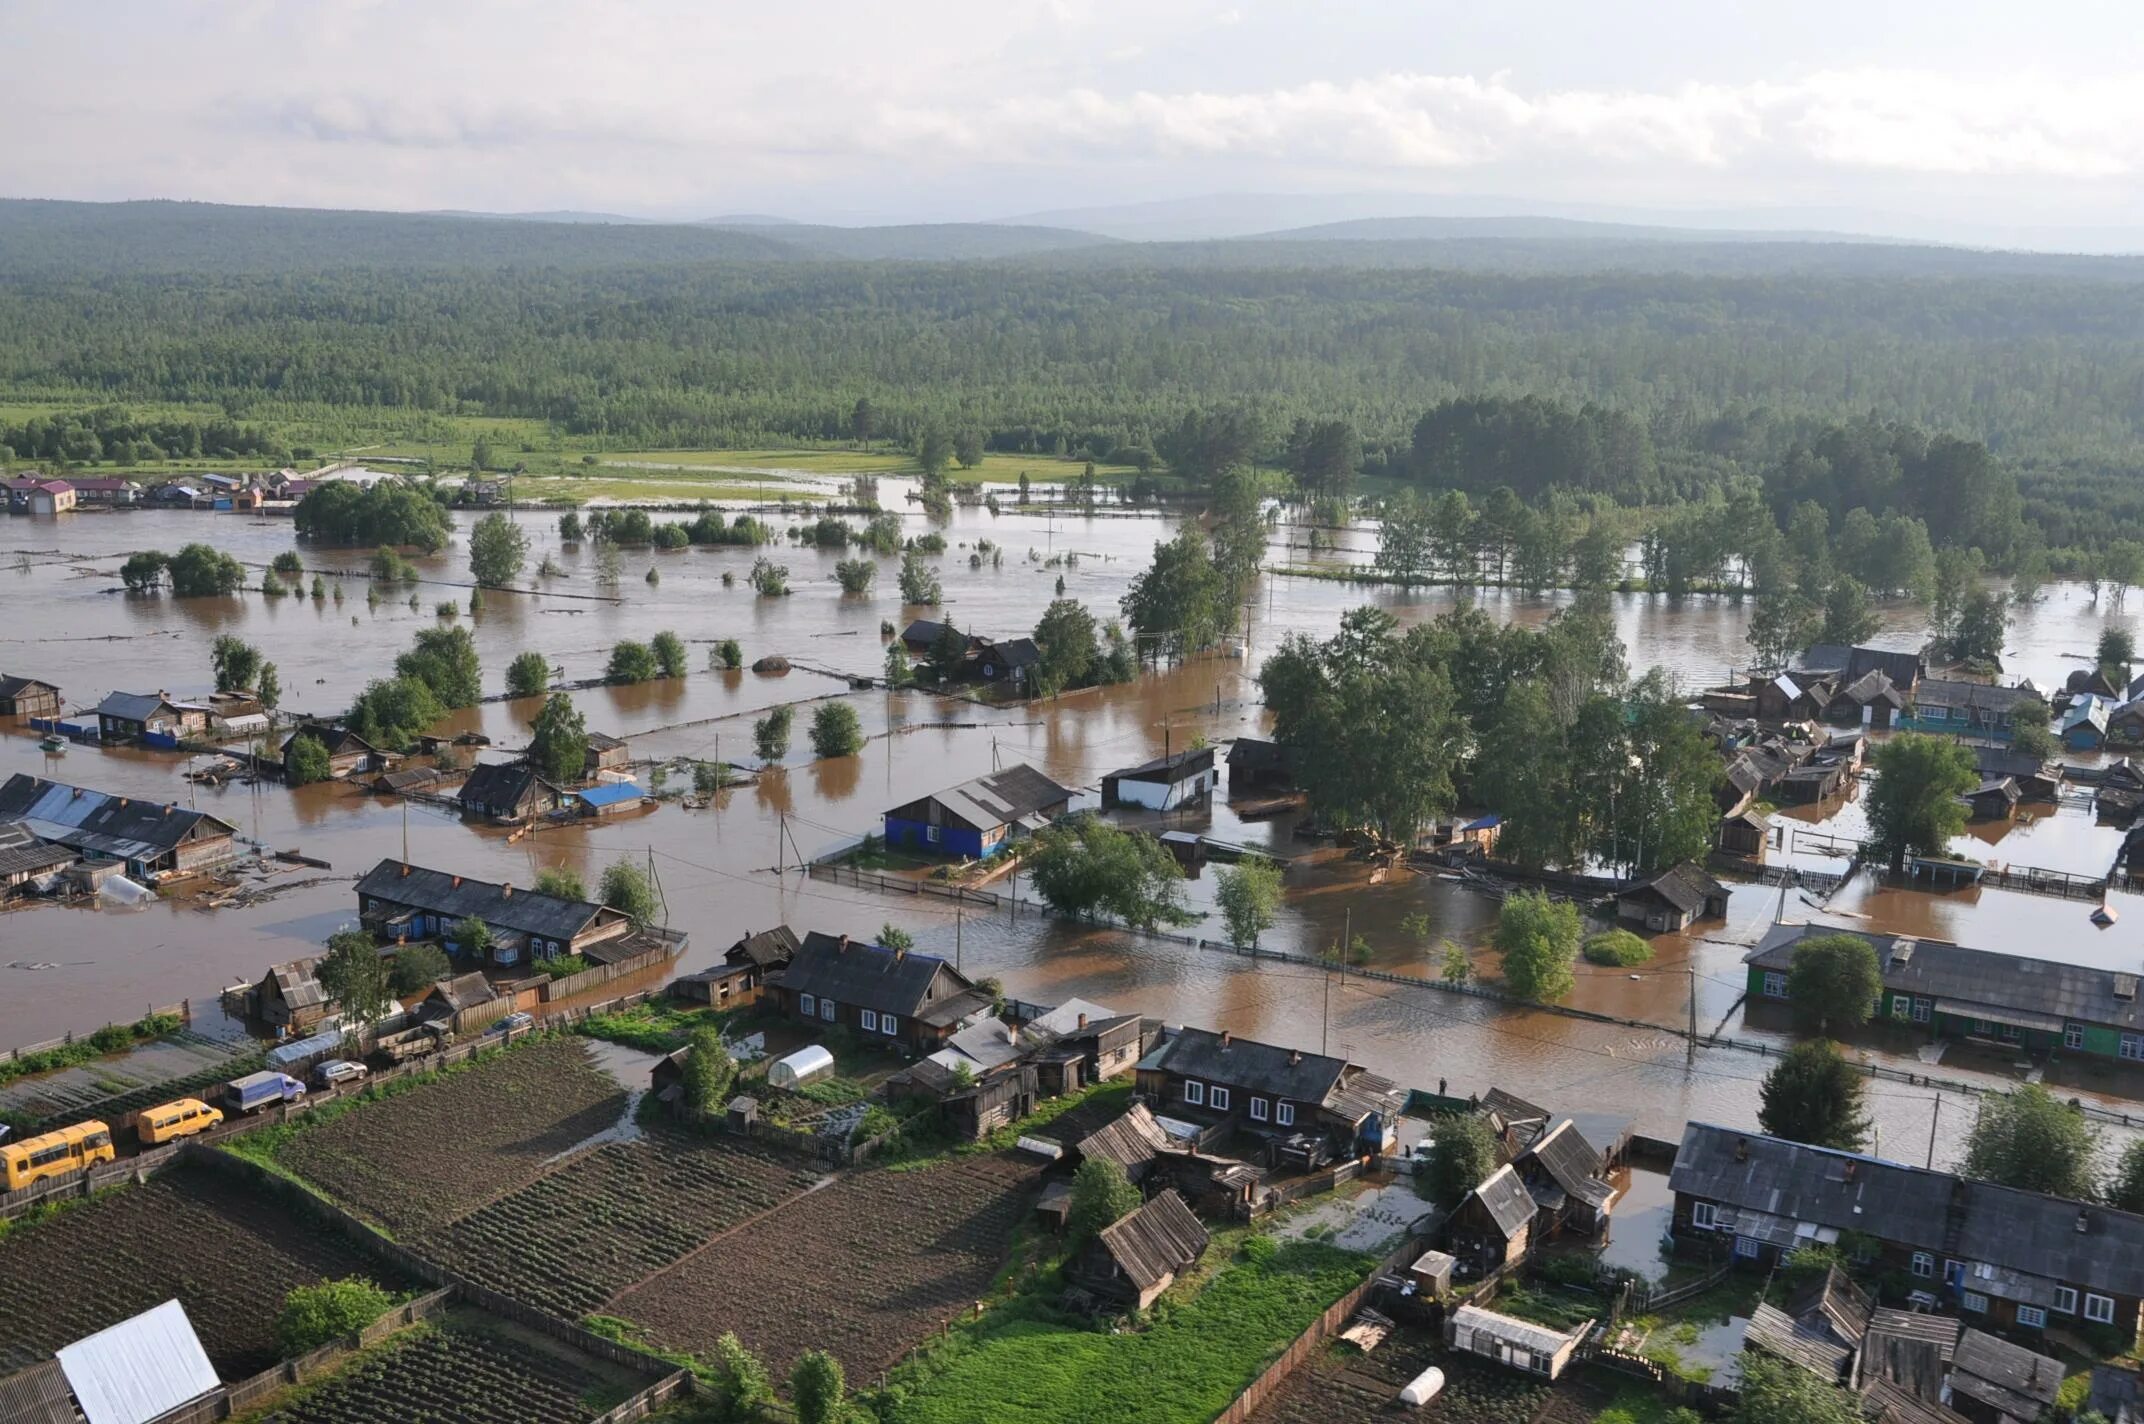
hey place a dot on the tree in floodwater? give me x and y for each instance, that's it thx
(497, 551)
(2031, 1140)
(1914, 807)
(1813, 1095)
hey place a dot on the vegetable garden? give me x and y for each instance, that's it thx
(573, 1238)
(867, 1268)
(456, 1371)
(427, 1154)
(1343, 1385)
(229, 1254)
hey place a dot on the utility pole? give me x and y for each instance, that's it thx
(1347, 939)
(781, 831)
(1325, 1020)
(405, 830)
(1933, 1118)
(1690, 1058)
(960, 919)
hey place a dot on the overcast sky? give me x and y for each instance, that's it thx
(1966, 117)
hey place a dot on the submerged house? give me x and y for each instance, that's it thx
(397, 901)
(1565, 1176)
(289, 997)
(154, 840)
(1672, 900)
(1185, 778)
(1258, 765)
(348, 753)
(128, 716)
(1493, 1226)
(1969, 708)
(508, 791)
(977, 817)
(1995, 799)
(27, 697)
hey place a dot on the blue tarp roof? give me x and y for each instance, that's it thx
(610, 794)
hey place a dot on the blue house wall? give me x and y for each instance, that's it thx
(952, 840)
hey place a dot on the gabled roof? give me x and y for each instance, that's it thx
(1255, 754)
(1506, 1199)
(1131, 1141)
(1977, 696)
(1834, 1302)
(1014, 652)
(296, 985)
(464, 991)
(1903, 668)
(2039, 1235)
(997, 798)
(1684, 886)
(134, 706)
(1871, 687)
(38, 1395)
(1570, 1162)
(925, 630)
(1779, 1334)
(140, 1368)
(865, 975)
(501, 784)
(984, 1044)
(2002, 761)
(1909, 1350)
(13, 687)
(769, 949)
(1156, 1241)
(2008, 1378)
(1168, 769)
(1844, 1191)
(1538, 1338)
(1885, 1403)
(457, 897)
(336, 739)
(99, 823)
(1252, 1066)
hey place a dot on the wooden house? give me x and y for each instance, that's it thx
(766, 950)
(1130, 1263)
(1785, 698)
(979, 816)
(399, 901)
(131, 716)
(726, 986)
(348, 753)
(605, 753)
(290, 998)
(1995, 799)
(1869, 701)
(1566, 1177)
(1908, 1350)
(1258, 765)
(1010, 661)
(27, 697)
(1077, 1044)
(1271, 1092)
(974, 1105)
(1995, 1382)
(1846, 665)
(1745, 833)
(508, 791)
(464, 1002)
(2084, 725)
(921, 637)
(24, 858)
(154, 840)
(1132, 1141)
(2036, 780)
(902, 998)
(1493, 1225)
(1184, 778)
(1673, 900)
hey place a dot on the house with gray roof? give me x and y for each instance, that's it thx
(1134, 1260)
(913, 1001)
(1910, 1350)
(130, 716)
(398, 901)
(1904, 668)
(155, 840)
(2015, 1001)
(1995, 1382)
(1493, 1225)
(977, 817)
(1278, 1094)
(1564, 1174)
(2011, 1259)
(508, 791)
(27, 697)
(1968, 708)
(1672, 900)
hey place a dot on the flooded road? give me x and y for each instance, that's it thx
(716, 865)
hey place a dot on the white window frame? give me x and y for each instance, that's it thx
(2099, 1309)
(2032, 1317)
(1973, 1301)
(1261, 1110)
(2066, 1299)
(1902, 1007)
(808, 1005)
(2073, 1035)
(888, 1024)
(2007, 1032)
(1924, 1265)
(1194, 1092)
(1775, 984)
(2132, 1047)
(826, 1010)
(1284, 1114)
(1217, 1098)
(1747, 1247)
(1920, 1010)
(870, 1020)
(1704, 1216)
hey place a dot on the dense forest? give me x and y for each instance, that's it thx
(1640, 385)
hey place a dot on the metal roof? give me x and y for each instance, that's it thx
(2052, 1238)
(1166, 769)
(1842, 1190)
(610, 793)
(500, 784)
(12, 687)
(117, 826)
(134, 706)
(140, 1368)
(1538, 1338)
(1947, 692)
(1684, 886)
(1506, 1199)
(994, 799)
(865, 975)
(1252, 1066)
(457, 897)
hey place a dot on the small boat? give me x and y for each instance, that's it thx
(54, 745)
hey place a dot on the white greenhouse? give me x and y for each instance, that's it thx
(806, 1065)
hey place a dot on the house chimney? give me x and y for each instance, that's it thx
(506, 891)
(2084, 1221)
(1083, 1022)
(122, 803)
(405, 867)
(457, 883)
(842, 945)
(1227, 1038)
(1295, 1056)
(1741, 1149)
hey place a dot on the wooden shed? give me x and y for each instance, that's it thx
(1127, 1265)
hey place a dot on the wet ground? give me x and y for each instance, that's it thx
(62, 969)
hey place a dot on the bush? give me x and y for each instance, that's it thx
(669, 651)
(528, 674)
(632, 662)
(307, 761)
(1618, 948)
(314, 1315)
(836, 731)
(418, 966)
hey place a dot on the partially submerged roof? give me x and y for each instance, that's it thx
(134, 706)
(1156, 1241)
(2008, 1378)
(139, 1369)
(608, 793)
(1506, 1200)
(1167, 769)
(1684, 886)
(117, 826)
(997, 798)
(296, 985)
(458, 897)
(502, 784)
(1256, 753)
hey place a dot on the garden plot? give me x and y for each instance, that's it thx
(467, 1370)
(866, 1268)
(420, 1158)
(228, 1252)
(1342, 1385)
(572, 1239)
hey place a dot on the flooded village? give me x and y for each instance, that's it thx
(196, 881)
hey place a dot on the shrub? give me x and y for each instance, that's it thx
(1618, 948)
(669, 651)
(418, 966)
(528, 674)
(836, 731)
(307, 761)
(632, 662)
(314, 1315)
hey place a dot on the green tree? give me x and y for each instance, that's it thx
(743, 1377)
(1775, 1392)
(497, 551)
(816, 1388)
(948, 653)
(392, 712)
(730, 652)
(1538, 938)
(968, 448)
(2029, 1139)
(1248, 895)
(355, 977)
(561, 881)
(855, 575)
(919, 581)
(1813, 1095)
(198, 571)
(569, 527)
(1101, 1196)
(863, 421)
(625, 886)
(236, 663)
(892, 936)
(313, 1316)
(669, 651)
(1978, 634)
(769, 579)
(2117, 649)
(1458, 968)
(1179, 603)
(2125, 1191)
(770, 734)
(444, 659)
(270, 689)
(1069, 646)
(472, 936)
(709, 1072)
(144, 572)
(1913, 809)
(306, 760)
(1785, 622)
(631, 661)
(2030, 732)
(1833, 982)
(1081, 866)
(1522, 767)
(836, 731)
(1619, 949)
(1848, 616)
(1463, 1154)
(418, 966)
(558, 741)
(528, 675)
(898, 673)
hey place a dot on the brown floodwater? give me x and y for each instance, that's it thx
(66, 969)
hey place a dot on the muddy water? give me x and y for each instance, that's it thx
(716, 866)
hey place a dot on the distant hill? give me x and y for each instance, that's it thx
(931, 242)
(560, 216)
(1532, 228)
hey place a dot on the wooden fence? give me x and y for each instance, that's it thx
(596, 976)
(83, 1184)
(1312, 1339)
(245, 1394)
(182, 1010)
(902, 884)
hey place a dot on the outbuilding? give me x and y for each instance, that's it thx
(1184, 778)
(1521, 1344)
(1131, 1262)
(27, 697)
(805, 1066)
(1673, 900)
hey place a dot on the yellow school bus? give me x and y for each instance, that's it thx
(182, 1117)
(35, 1158)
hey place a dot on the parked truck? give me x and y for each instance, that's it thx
(259, 1090)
